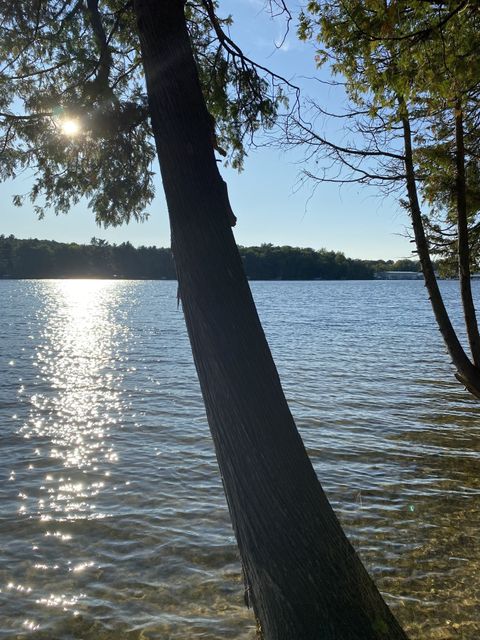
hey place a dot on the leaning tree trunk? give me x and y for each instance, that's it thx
(467, 373)
(469, 313)
(304, 579)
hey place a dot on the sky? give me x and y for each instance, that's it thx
(270, 204)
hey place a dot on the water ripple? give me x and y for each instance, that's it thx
(114, 524)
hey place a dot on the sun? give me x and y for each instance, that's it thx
(70, 127)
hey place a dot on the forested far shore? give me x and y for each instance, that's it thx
(32, 258)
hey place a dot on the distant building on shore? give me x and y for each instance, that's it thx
(398, 275)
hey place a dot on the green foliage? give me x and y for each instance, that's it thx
(48, 259)
(268, 262)
(99, 259)
(414, 49)
(54, 72)
(411, 59)
(240, 98)
(79, 61)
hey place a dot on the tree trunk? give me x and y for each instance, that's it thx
(304, 579)
(467, 373)
(463, 243)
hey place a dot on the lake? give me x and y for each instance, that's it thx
(113, 524)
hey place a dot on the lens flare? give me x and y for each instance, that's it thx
(70, 127)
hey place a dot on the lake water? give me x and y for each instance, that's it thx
(113, 524)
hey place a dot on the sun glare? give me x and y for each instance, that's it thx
(70, 127)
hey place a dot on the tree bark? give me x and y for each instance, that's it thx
(467, 373)
(304, 579)
(463, 242)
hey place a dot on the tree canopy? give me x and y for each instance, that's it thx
(73, 103)
(418, 59)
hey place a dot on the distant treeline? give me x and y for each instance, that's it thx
(99, 259)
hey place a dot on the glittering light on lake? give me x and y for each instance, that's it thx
(74, 407)
(77, 345)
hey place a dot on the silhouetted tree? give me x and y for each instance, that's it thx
(411, 75)
(303, 577)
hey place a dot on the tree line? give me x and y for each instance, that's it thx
(32, 258)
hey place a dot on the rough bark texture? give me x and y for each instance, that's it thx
(304, 579)
(467, 373)
(463, 243)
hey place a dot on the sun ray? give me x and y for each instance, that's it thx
(70, 127)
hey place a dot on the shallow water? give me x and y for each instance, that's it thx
(113, 522)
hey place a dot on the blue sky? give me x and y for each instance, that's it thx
(266, 197)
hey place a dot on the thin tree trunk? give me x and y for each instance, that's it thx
(463, 243)
(467, 373)
(304, 579)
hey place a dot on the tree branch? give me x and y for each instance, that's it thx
(105, 61)
(234, 50)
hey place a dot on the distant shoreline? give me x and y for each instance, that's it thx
(139, 279)
(22, 259)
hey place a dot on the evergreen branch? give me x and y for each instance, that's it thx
(234, 50)
(32, 116)
(38, 72)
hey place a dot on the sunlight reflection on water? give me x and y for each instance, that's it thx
(113, 520)
(77, 402)
(73, 408)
